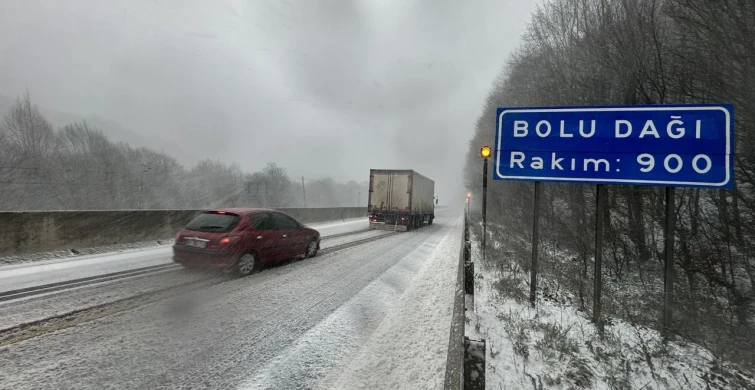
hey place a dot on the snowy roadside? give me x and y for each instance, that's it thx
(77, 252)
(555, 346)
(408, 350)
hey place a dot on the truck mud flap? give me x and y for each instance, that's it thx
(391, 227)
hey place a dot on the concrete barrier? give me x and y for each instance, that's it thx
(44, 231)
(321, 214)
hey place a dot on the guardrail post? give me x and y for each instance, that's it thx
(468, 264)
(474, 364)
(469, 277)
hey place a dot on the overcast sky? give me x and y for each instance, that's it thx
(324, 88)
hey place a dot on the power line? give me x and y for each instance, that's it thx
(303, 192)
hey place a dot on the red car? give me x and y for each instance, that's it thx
(242, 239)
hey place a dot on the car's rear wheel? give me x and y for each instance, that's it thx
(312, 248)
(247, 264)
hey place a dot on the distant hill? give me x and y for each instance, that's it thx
(113, 130)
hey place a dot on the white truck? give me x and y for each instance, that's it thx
(400, 200)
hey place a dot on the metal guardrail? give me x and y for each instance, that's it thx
(464, 354)
(455, 360)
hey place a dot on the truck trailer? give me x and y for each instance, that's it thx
(400, 200)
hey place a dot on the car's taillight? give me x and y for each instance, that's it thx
(403, 219)
(227, 240)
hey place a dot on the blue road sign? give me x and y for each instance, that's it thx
(663, 145)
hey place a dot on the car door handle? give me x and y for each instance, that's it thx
(260, 237)
(285, 235)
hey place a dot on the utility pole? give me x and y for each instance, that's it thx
(141, 184)
(303, 192)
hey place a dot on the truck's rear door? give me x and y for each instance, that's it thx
(390, 191)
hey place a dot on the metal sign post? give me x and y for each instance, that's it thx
(600, 209)
(485, 152)
(668, 258)
(535, 242)
(484, 203)
(683, 145)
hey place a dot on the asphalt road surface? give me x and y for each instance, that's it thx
(290, 326)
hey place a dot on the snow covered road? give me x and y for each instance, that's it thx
(14, 277)
(296, 326)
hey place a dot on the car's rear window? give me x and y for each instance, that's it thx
(213, 222)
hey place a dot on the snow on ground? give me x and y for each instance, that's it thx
(55, 303)
(227, 334)
(315, 355)
(339, 227)
(31, 309)
(80, 252)
(408, 349)
(328, 242)
(19, 276)
(554, 346)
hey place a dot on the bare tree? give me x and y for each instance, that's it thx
(26, 129)
(78, 167)
(578, 52)
(30, 138)
(278, 186)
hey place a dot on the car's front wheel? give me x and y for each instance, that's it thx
(312, 249)
(247, 264)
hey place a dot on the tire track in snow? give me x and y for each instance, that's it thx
(231, 332)
(41, 326)
(306, 313)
